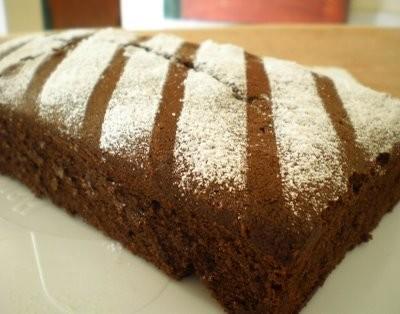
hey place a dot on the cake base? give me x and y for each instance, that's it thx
(52, 167)
(243, 279)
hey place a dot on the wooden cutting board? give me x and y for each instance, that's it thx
(371, 54)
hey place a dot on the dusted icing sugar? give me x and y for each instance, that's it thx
(18, 68)
(130, 115)
(308, 146)
(224, 62)
(375, 116)
(15, 43)
(211, 135)
(66, 93)
(166, 45)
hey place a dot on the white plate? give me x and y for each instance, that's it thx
(53, 263)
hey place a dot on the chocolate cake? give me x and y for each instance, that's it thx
(256, 174)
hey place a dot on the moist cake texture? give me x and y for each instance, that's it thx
(256, 174)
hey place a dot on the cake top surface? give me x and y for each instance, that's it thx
(228, 128)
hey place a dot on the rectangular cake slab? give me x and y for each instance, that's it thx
(255, 173)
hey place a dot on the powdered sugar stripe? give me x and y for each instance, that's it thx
(19, 67)
(308, 147)
(211, 136)
(163, 44)
(224, 62)
(14, 43)
(375, 116)
(72, 34)
(130, 115)
(67, 91)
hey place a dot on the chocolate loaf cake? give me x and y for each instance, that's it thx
(256, 174)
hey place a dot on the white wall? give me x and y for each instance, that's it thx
(3, 20)
(149, 14)
(375, 12)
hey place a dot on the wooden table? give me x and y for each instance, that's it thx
(372, 55)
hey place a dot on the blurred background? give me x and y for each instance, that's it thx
(33, 15)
